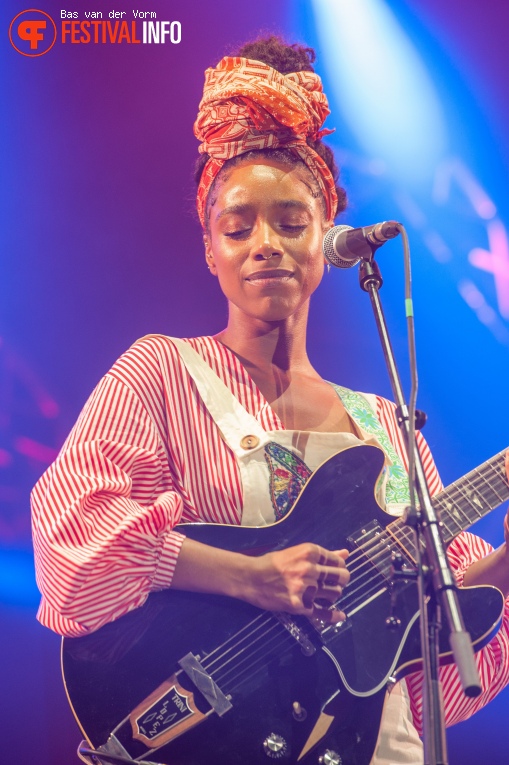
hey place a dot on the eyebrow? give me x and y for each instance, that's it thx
(285, 204)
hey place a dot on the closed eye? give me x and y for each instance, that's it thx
(293, 229)
(237, 234)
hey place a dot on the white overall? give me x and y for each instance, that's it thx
(398, 742)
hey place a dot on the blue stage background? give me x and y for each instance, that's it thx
(100, 245)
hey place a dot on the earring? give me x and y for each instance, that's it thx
(328, 268)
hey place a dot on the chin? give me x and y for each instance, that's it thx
(276, 314)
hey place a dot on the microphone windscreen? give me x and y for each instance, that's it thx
(333, 245)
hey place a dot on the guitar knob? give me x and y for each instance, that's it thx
(275, 746)
(329, 757)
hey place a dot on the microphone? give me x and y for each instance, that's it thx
(344, 246)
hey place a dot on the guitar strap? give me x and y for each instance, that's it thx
(362, 409)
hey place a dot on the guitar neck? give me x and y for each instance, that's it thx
(466, 501)
(470, 498)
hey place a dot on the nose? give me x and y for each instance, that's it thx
(266, 243)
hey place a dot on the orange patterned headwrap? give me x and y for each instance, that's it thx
(248, 105)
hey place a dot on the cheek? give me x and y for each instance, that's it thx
(316, 263)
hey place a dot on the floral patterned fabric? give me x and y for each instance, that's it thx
(288, 473)
(358, 407)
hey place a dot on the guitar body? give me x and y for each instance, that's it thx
(317, 689)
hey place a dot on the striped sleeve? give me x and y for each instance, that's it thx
(103, 514)
(493, 659)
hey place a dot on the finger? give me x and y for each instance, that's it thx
(331, 579)
(329, 576)
(335, 560)
(315, 598)
(308, 597)
(322, 616)
(329, 557)
(327, 598)
(343, 554)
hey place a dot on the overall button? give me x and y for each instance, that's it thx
(249, 442)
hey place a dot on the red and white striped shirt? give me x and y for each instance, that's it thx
(144, 455)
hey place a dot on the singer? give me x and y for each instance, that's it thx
(227, 429)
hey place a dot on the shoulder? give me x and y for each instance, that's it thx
(151, 354)
(154, 362)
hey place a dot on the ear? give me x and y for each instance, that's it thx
(327, 227)
(208, 254)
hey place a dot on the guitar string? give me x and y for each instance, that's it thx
(474, 481)
(256, 662)
(250, 670)
(243, 650)
(229, 653)
(487, 481)
(247, 653)
(262, 617)
(455, 493)
(360, 588)
(461, 494)
(365, 563)
(459, 490)
(464, 494)
(406, 531)
(237, 649)
(236, 642)
(279, 636)
(476, 478)
(256, 633)
(277, 642)
(362, 591)
(356, 555)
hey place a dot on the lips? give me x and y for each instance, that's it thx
(267, 276)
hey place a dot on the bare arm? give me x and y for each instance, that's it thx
(291, 580)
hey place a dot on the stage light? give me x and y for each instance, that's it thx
(379, 82)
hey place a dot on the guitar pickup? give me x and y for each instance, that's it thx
(374, 542)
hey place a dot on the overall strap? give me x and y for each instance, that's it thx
(240, 430)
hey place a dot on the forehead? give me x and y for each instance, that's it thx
(268, 183)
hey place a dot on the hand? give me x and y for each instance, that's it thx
(304, 579)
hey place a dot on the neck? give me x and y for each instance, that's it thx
(263, 344)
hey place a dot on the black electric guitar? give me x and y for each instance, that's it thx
(190, 679)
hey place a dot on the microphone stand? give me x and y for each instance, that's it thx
(436, 583)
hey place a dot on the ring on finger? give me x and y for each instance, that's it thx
(330, 580)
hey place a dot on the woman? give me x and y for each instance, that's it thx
(228, 428)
